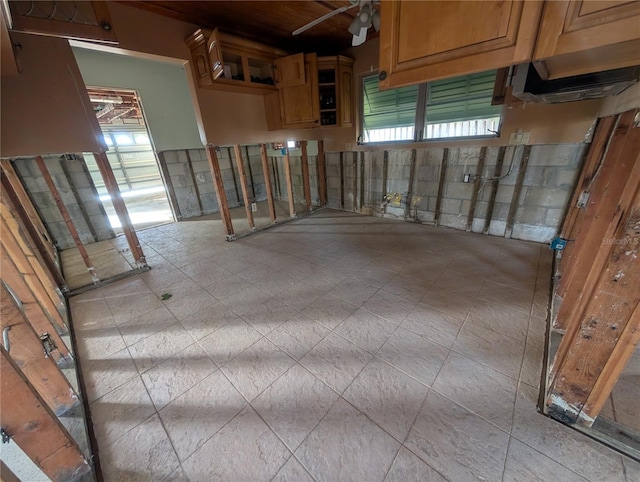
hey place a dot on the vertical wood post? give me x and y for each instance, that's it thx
(28, 352)
(287, 174)
(120, 207)
(441, 182)
(221, 195)
(12, 186)
(244, 187)
(35, 428)
(497, 172)
(37, 315)
(322, 175)
(306, 182)
(476, 188)
(66, 217)
(267, 182)
(171, 192)
(194, 181)
(515, 200)
(341, 180)
(412, 176)
(361, 180)
(355, 180)
(385, 173)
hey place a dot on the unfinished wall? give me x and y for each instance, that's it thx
(78, 193)
(528, 205)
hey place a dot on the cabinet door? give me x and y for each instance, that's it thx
(300, 104)
(345, 84)
(215, 55)
(290, 71)
(200, 59)
(422, 41)
(578, 37)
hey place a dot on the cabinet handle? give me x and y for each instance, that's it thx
(382, 75)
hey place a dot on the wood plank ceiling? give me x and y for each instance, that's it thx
(270, 21)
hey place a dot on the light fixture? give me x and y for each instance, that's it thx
(106, 99)
(291, 144)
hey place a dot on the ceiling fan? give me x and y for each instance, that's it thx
(367, 16)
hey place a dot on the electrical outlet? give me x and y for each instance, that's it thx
(254, 207)
(466, 178)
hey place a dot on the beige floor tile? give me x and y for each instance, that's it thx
(480, 344)
(498, 318)
(205, 273)
(525, 464)
(387, 396)
(99, 343)
(103, 375)
(269, 315)
(329, 310)
(126, 308)
(454, 304)
(218, 459)
(177, 374)
(207, 321)
(484, 391)
(439, 327)
(195, 416)
(366, 330)
(408, 467)
(335, 361)
(457, 443)
(143, 454)
(354, 291)
(407, 287)
(294, 404)
(292, 471)
(346, 446)
(253, 370)
(298, 335)
(389, 306)
(414, 354)
(229, 341)
(187, 298)
(146, 325)
(300, 295)
(153, 349)
(120, 410)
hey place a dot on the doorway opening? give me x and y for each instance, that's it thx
(132, 158)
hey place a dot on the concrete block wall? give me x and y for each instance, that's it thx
(78, 193)
(546, 188)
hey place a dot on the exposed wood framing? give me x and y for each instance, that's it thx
(66, 217)
(166, 177)
(476, 188)
(412, 177)
(289, 180)
(233, 174)
(494, 189)
(515, 200)
(361, 179)
(76, 196)
(244, 187)
(355, 181)
(267, 182)
(35, 428)
(13, 187)
(441, 182)
(221, 195)
(591, 357)
(385, 173)
(194, 181)
(609, 195)
(341, 170)
(120, 207)
(250, 171)
(322, 174)
(27, 351)
(306, 182)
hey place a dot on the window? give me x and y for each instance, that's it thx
(457, 107)
(388, 115)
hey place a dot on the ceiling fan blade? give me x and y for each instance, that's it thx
(323, 18)
(360, 38)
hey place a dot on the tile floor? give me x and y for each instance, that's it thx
(333, 348)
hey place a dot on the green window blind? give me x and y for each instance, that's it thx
(462, 98)
(389, 108)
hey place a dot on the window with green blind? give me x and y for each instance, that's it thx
(456, 107)
(388, 115)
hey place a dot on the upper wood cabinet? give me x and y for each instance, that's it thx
(422, 41)
(335, 81)
(299, 104)
(578, 37)
(226, 62)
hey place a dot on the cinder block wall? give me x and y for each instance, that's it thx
(359, 182)
(78, 193)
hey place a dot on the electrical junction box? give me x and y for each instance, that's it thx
(558, 244)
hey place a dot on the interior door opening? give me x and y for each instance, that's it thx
(132, 158)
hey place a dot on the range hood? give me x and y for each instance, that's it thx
(529, 87)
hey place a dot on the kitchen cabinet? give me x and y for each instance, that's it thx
(421, 41)
(335, 85)
(225, 62)
(578, 37)
(297, 84)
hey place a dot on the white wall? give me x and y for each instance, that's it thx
(163, 89)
